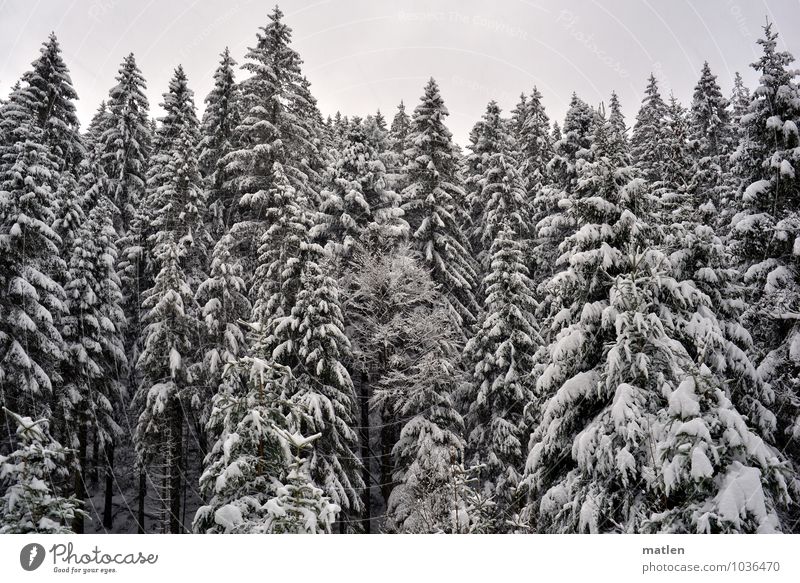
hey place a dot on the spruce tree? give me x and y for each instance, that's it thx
(30, 503)
(127, 141)
(501, 195)
(534, 144)
(739, 145)
(31, 345)
(46, 98)
(125, 144)
(220, 119)
(223, 300)
(299, 506)
(434, 185)
(275, 142)
(622, 376)
(676, 164)
(324, 388)
(111, 389)
(357, 208)
(171, 315)
(571, 151)
(279, 268)
(647, 140)
(248, 458)
(764, 229)
(502, 358)
(398, 136)
(163, 393)
(709, 116)
(90, 398)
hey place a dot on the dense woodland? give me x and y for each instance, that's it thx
(264, 321)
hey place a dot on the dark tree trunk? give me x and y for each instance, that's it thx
(365, 457)
(108, 509)
(176, 469)
(388, 439)
(142, 494)
(94, 472)
(80, 468)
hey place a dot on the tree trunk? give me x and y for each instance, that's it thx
(365, 457)
(388, 439)
(94, 473)
(142, 494)
(176, 468)
(108, 510)
(79, 486)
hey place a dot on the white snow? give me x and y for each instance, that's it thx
(701, 465)
(756, 189)
(794, 346)
(228, 517)
(683, 402)
(175, 361)
(742, 496)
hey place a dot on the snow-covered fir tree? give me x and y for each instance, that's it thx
(126, 141)
(676, 161)
(279, 268)
(534, 143)
(501, 355)
(571, 150)
(298, 507)
(249, 456)
(45, 97)
(357, 208)
(164, 392)
(324, 388)
(398, 136)
(433, 190)
(220, 118)
(710, 141)
(765, 228)
(274, 141)
(223, 300)
(377, 132)
(647, 138)
(30, 267)
(170, 313)
(618, 374)
(175, 199)
(30, 476)
(90, 397)
(499, 200)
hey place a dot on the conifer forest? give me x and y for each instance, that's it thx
(247, 316)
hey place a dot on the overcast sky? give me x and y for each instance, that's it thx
(361, 55)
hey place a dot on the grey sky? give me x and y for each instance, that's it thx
(361, 55)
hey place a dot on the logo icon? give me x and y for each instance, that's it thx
(31, 556)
